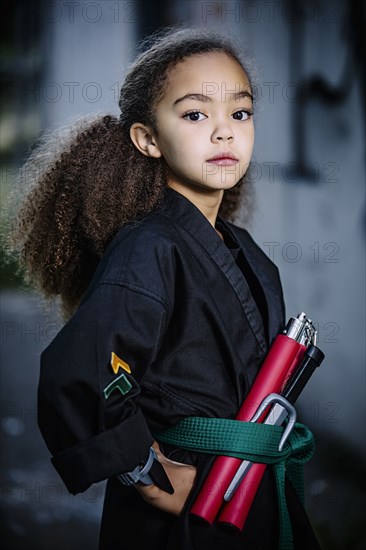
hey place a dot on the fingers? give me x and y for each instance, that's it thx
(160, 499)
(182, 477)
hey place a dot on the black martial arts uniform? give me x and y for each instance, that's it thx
(176, 322)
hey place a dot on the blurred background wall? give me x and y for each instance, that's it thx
(64, 59)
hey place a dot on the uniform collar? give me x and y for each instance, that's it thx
(188, 217)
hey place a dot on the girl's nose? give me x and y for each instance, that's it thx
(222, 133)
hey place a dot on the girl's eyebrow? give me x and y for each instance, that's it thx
(206, 98)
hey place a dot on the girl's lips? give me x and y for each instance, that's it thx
(224, 159)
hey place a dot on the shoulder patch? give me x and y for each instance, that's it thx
(121, 384)
(118, 363)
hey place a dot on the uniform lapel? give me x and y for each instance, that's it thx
(270, 284)
(188, 217)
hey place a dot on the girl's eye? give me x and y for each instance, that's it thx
(194, 116)
(242, 115)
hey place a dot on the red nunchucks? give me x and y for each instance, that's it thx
(279, 366)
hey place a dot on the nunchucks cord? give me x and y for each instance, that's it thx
(254, 442)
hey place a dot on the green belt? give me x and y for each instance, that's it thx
(254, 442)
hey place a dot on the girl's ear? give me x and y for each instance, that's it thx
(143, 139)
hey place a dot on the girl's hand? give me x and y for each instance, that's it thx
(181, 476)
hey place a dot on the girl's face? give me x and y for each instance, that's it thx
(205, 124)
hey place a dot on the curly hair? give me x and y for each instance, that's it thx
(88, 179)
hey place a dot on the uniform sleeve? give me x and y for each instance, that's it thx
(89, 379)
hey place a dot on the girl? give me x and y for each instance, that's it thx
(171, 308)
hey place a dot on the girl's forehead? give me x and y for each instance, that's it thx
(207, 72)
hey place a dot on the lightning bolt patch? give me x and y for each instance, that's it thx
(118, 363)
